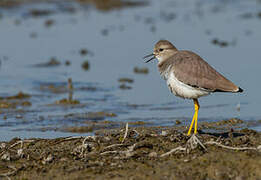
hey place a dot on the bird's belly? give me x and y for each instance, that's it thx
(180, 89)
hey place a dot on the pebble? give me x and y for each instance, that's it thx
(6, 156)
(153, 154)
(164, 133)
(2, 145)
(259, 148)
(107, 138)
(48, 159)
(20, 153)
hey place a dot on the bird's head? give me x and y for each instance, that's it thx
(163, 49)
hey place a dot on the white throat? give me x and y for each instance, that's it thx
(159, 58)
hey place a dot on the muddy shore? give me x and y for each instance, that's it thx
(139, 153)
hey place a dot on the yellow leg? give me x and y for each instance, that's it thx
(196, 123)
(191, 124)
(195, 118)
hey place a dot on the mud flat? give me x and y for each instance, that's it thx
(138, 153)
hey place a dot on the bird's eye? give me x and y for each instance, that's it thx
(160, 49)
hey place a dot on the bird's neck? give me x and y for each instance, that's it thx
(165, 57)
(164, 65)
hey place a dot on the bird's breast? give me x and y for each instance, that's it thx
(183, 90)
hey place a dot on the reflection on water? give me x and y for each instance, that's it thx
(226, 34)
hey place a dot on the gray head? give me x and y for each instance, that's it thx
(163, 49)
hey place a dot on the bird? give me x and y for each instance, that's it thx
(189, 76)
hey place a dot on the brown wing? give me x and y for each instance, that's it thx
(191, 69)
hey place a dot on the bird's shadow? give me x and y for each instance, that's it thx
(222, 134)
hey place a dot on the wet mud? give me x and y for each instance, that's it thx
(104, 5)
(20, 99)
(138, 153)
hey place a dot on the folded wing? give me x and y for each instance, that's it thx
(191, 69)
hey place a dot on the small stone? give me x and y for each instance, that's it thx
(20, 153)
(107, 138)
(6, 157)
(2, 145)
(259, 148)
(48, 159)
(164, 133)
(153, 154)
(129, 154)
(226, 143)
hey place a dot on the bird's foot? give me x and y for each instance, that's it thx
(193, 143)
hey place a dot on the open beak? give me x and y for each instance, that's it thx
(150, 58)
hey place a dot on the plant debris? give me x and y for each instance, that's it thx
(128, 80)
(138, 70)
(144, 153)
(53, 62)
(86, 65)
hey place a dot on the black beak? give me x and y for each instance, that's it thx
(150, 58)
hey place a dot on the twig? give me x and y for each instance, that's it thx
(21, 142)
(85, 139)
(200, 143)
(16, 143)
(130, 149)
(138, 134)
(110, 152)
(114, 145)
(76, 137)
(230, 147)
(84, 145)
(126, 132)
(79, 137)
(180, 148)
(73, 137)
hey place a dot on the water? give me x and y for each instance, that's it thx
(118, 40)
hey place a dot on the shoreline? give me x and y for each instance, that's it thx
(138, 153)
